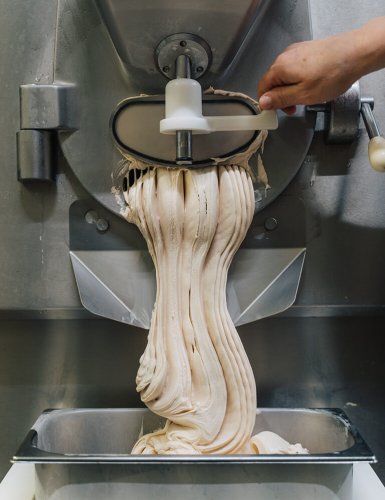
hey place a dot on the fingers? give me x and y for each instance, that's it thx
(310, 72)
(274, 77)
(265, 102)
(276, 89)
(285, 97)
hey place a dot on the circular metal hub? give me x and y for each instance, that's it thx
(187, 44)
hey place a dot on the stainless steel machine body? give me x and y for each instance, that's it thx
(329, 360)
(92, 62)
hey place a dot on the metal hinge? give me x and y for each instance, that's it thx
(44, 110)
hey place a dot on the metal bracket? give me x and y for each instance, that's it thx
(44, 109)
(116, 277)
(342, 116)
(342, 119)
(194, 47)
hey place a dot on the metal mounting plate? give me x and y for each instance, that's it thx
(116, 276)
(193, 46)
(344, 117)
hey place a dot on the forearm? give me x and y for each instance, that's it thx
(320, 70)
(369, 46)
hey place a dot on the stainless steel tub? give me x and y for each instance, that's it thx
(85, 453)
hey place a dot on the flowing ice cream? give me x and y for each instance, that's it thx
(195, 372)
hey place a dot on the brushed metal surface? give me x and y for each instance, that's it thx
(33, 219)
(89, 435)
(35, 155)
(65, 482)
(137, 29)
(47, 107)
(343, 119)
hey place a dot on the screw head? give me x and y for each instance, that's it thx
(199, 69)
(271, 224)
(102, 225)
(183, 43)
(166, 69)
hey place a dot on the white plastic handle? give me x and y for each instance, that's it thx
(184, 112)
(266, 120)
(376, 152)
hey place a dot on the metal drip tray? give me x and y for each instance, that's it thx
(85, 453)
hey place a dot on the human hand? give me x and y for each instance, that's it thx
(311, 72)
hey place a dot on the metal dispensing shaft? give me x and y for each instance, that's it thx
(183, 55)
(183, 137)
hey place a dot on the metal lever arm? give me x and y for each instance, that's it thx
(376, 148)
(342, 123)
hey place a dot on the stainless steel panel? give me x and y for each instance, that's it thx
(35, 270)
(277, 482)
(136, 29)
(263, 282)
(118, 285)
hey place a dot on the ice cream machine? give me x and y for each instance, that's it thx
(108, 55)
(165, 82)
(106, 58)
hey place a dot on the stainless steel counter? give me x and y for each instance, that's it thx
(298, 362)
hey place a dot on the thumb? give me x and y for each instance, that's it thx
(280, 98)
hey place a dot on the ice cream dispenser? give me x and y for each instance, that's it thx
(128, 78)
(108, 55)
